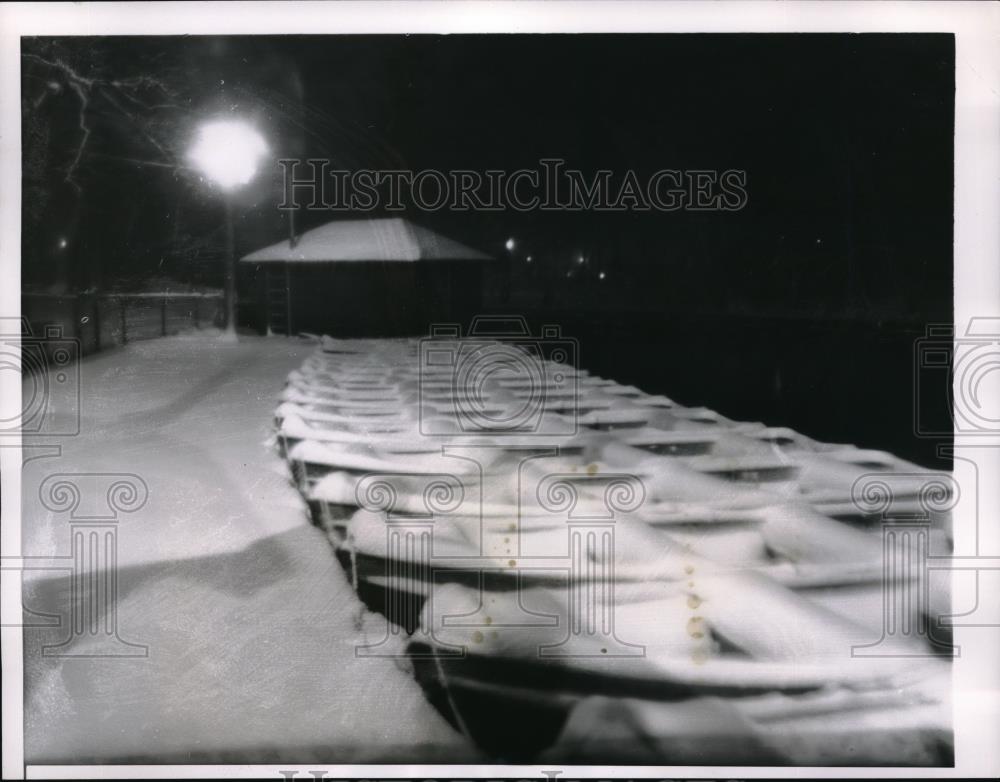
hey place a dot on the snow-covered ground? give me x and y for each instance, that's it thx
(250, 624)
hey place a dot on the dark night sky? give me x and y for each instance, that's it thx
(847, 141)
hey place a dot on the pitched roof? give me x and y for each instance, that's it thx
(377, 239)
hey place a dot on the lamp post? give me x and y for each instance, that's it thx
(510, 244)
(227, 152)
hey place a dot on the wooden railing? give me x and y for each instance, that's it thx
(103, 320)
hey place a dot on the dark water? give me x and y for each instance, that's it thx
(836, 381)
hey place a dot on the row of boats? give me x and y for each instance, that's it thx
(577, 571)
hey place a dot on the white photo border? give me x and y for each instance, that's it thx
(976, 27)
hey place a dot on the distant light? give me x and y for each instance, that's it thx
(601, 276)
(62, 243)
(228, 152)
(528, 259)
(580, 259)
(510, 243)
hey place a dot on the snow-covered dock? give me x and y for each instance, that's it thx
(249, 622)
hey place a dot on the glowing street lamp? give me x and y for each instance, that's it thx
(228, 152)
(510, 244)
